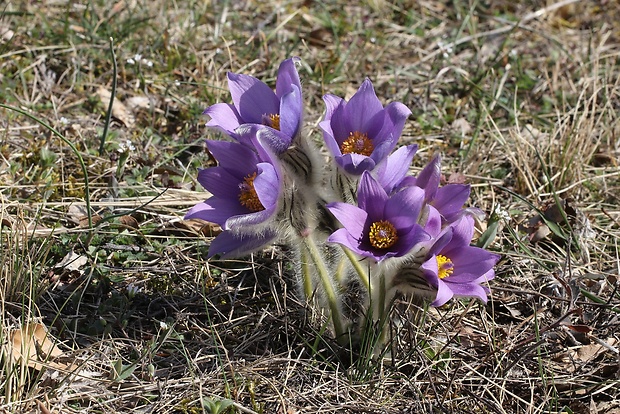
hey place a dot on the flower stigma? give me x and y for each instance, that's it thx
(247, 196)
(382, 234)
(357, 143)
(445, 267)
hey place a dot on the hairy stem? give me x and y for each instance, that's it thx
(306, 273)
(358, 268)
(328, 287)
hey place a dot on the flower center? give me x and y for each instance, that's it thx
(274, 120)
(357, 143)
(247, 196)
(445, 267)
(382, 234)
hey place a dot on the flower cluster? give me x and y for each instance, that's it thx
(359, 216)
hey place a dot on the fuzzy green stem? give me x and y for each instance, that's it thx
(380, 310)
(340, 271)
(377, 296)
(306, 273)
(328, 287)
(358, 268)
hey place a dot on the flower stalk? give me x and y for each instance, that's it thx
(361, 272)
(328, 287)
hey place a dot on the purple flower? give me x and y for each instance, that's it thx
(246, 186)
(380, 226)
(361, 133)
(449, 199)
(255, 103)
(391, 172)
(454, 267)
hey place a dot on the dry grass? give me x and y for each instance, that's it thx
(521, 98)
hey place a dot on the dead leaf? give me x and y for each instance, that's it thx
(43, 408)
(533, 135)
(552, 211)
(6, 222)
(72, 262)
(96, 218)
(587, 353)
(580, 328)
(6, 34)
(77, 214)
(34, 345)
(321, 37)
(129, 221)
(136, 103)
(77, 29)
(192, 227)
(461, 127)
(536, 229)
(457, 178)
(118, 7)
(119, 110)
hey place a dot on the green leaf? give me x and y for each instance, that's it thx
(121, 371)
(214, 406)
(489, 234)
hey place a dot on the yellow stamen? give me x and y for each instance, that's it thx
(445, 267)
(357, 143)
(247, 196)
(275, 121)
(382, 234)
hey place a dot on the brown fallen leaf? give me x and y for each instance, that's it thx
(43, 408)
(96, 218)
(33, 345)
(136, 103)
(72, 262)
(119, 110)
(587, 353)
(129, 221)
(457, 178)
(192, 228)
(536, 229)
(321, 37)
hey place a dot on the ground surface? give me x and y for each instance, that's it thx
(520, 98)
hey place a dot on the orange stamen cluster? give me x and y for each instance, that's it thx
(247, 196)
(275, 121)
(357, 143)
(382, 234)
(445, 267)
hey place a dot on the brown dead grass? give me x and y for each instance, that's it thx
(519, 97)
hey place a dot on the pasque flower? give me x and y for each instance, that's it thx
(361, 133)
(391, 172)
(380, 226)
(448, 199)
(401, 234)
(454, 267)
(255, 103)
(246, 186)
